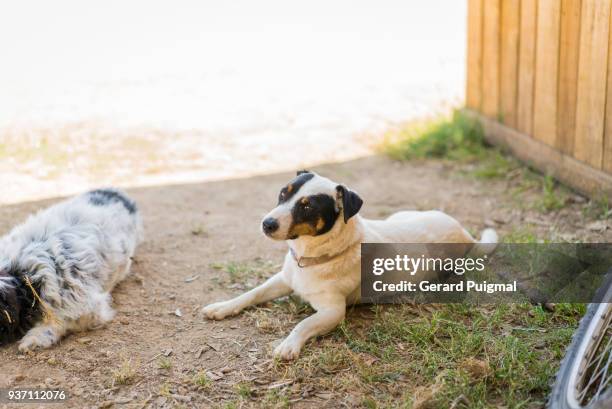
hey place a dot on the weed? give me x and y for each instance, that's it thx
(244, 390)
(599, 207)
(369, 403)
(164, 363)
(199, 230)
(276, 399)
(200, 379)
(494, 165)
(239, 272)
(125, 374)
(521, 235)
(165, 389)
(552, 198)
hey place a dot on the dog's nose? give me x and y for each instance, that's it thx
(269, 225)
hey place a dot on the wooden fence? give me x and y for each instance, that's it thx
(539, 75)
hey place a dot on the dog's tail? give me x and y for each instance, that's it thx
(487, 244)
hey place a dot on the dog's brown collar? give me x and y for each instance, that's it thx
(303, 262)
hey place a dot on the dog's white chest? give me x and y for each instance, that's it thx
(313, 282)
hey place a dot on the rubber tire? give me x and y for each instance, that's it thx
(557, 397)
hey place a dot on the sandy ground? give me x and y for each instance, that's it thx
(193, 229)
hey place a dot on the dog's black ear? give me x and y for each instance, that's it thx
(299, 172)
(351, 202)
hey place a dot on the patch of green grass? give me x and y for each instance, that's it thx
(200, 379)
(275, 399)
(521, 235)
(495, 165)
(244, 390)
(236, 270)
(530, 180)
(552, 198)
(239, 271)
(599, 207)
(564, 313)
(369, 403)
(437, 356)
(550, 195)
(519, 361)
(458, 138)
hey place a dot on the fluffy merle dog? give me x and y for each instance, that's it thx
(57, 269)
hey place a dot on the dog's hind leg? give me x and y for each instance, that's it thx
(100, 313)
(118, 275)
(273, 288)
(330, 312)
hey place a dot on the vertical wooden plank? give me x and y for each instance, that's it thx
(607, 160)
(526, 74)
(473, 92)
(592, 73)
(568, 74)
(547, 69)
(490, 58)
(510, 21)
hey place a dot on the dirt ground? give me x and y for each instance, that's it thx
(149, 355)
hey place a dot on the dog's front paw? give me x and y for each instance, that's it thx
(37, 339)
(220, 310)
(289, 349)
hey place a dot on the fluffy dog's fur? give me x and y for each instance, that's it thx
(319, 220)
(57, 269)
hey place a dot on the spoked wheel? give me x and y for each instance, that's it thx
(584, 379)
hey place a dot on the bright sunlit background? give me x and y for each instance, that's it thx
(148, 92)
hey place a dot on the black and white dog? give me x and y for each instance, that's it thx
(57, 269)
(319, 220)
